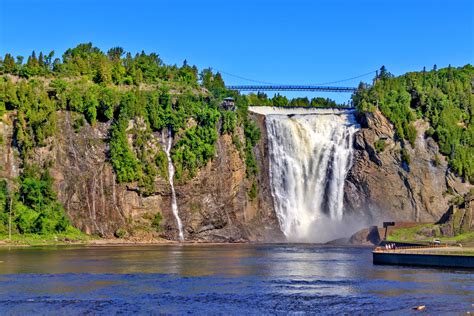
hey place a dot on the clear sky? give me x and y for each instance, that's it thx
(289, 42)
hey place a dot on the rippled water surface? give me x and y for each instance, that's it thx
(222, 279)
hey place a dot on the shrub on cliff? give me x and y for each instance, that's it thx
(35, 207)
(380, 145)
(156, 223)
(4, 207)
(122, 158)
(229, 122)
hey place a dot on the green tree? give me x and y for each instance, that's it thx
(8, 64)
(443, 97)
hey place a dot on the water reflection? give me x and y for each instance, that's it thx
(186, 260)
(220, 279)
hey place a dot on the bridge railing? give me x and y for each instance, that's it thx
(290, 88)
(308, 107)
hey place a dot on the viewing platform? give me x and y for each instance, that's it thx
(432, 256)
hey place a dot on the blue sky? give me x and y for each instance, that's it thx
(291, 42)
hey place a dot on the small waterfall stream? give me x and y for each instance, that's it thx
(174, 204)
(310, 155)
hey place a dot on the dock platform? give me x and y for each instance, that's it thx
(433, 256)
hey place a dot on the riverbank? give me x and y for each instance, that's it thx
(91, 241)
(73, 239)
(95, 243)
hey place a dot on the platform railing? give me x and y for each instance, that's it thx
(428, 249)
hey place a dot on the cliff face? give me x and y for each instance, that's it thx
(9, 162)
(383, 186)
(214, 205)
(85, 182)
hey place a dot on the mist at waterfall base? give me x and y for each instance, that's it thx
(310, 154)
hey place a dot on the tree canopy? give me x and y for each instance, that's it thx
(443, 97)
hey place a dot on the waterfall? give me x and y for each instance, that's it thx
(310, 155)
(174, 204)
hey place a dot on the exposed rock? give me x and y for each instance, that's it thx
(367, 236)
(370, 236)
(446, 230)
(9, 156)
(420, 308)
(458, 219)
(86, 183)
(381, 187)
(428, 232)
(374, 236)
(262, 209)
(214, 206)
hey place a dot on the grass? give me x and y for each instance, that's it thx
(466, 237)
(71, 235)
(408, 233)
(414, 234)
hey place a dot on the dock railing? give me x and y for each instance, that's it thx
(428, 249)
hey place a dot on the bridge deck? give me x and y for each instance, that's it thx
(290, 88)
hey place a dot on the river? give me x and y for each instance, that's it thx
(222, 279)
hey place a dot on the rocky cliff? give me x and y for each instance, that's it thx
(392, 180)
(214, 205)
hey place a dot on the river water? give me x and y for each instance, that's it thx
(222, 279)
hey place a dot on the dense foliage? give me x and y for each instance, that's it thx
(144, 101)
(443, 97)
(118, 87)
(35, 208)
(4, 205)
(116, 66)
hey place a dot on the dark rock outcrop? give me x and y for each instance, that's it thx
(367, 236)
(458, 219)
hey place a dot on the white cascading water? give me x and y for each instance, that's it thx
(174, 204)
(310, 155)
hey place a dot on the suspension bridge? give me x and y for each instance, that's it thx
(261, 86)
(290, 88)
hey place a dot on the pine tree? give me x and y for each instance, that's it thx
(8, 64)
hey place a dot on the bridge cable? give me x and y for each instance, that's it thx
(246, 79)
(273, 83)
(343, 80)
